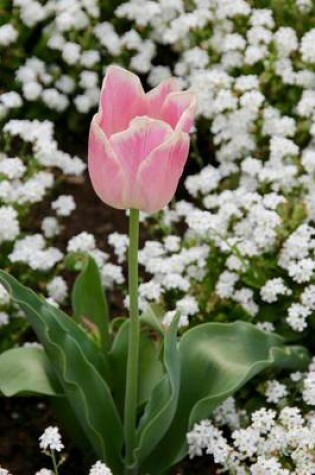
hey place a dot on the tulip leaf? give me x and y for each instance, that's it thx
(216, 360)
(161, 407)
(80, 368)
(27, 371)
(150, 318)
(89, 303)
(150, 368)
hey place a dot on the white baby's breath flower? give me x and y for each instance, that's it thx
(64, 205)
(51, 439)
(100, 468)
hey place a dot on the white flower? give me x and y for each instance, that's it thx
(50, 226)
(31, 251)
(272, 289)
(8, 34)
(151, 291)
(297, 315)
(246, 440)
(226, 283)
(309, 387)
(9, 224)
(11, 100)
(54, 99)
(44, 471)
(32, 90)
(245, 297)
(4, 296)
(71, 52)
(111, 274)
(57, 289)
(83, 242)
(51, 439)
(120, 243)
(308, 297)
(90, 58)
(275, 391)
(188, 305)
(302, 271)
(100, 468)
(263, 420)
(3, 471)
(64, 205)
(286, 41)
(4, 318)
(304, 5)
(307, 47)
(169, 316)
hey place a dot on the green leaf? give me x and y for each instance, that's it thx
(150, 368)
(151, 318)
(89, 302)
(80, 368)
(216, 360)
(27, 371)
(161, 407)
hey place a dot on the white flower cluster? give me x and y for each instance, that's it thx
(100, 468)
(85, 243)
(26, 180)
(273, 444)
(51, 439)
(257, 207)
(270, 441)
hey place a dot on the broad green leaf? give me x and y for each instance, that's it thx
(150, 368)
(89, 302)
(161, 407)
(79, 366)
(27, 371)
(216, 360)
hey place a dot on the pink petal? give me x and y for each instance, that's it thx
(159, 174)
(156, 97)
(179, 109)
(122, 99)
(135, 144)
(105, 172)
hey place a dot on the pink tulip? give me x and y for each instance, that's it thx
(139, 143)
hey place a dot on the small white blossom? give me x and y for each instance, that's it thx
(64, 205)
(51, 439)
(275, 391)
(100, 468)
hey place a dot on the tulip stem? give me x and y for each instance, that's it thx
(131, 397)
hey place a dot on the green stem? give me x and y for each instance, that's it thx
(54, 462)
(133, 344)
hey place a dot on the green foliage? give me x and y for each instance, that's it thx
(215, 361)
(81, 369)
(89, 303)
(25, 371)
(180, 382)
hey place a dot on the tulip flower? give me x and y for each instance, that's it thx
(139, 142)
(138, 146)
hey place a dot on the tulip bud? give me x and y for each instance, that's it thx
(139, 143)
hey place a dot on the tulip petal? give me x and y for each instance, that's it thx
(156, 97)
(122, 99)
(136, 143)
(178, 110)
(158, 175)
(105, 172)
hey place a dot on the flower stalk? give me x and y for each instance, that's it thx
(132, 376)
